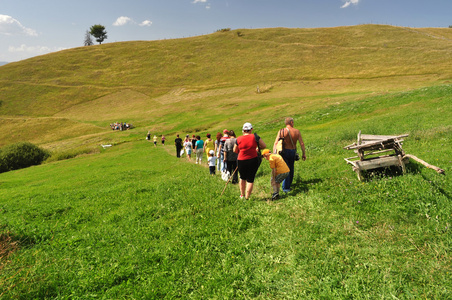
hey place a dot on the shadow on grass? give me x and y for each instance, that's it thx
(300, 187)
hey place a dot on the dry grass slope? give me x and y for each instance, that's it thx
(149, 83)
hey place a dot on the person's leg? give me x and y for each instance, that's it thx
(221, 162)
(249, 189)
(289, 158)
(200, 155)
(242, 187)
(233, 167)
(275, 194)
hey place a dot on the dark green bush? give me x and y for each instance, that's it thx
(21, 155)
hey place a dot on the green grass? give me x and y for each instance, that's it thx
(133, 221)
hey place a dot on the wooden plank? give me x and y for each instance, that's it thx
(383, 144)
(439, 170)
(379, 137)
(374, 140)
(380, 162)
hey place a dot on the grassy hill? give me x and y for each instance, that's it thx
(85, 89)
(133, 221)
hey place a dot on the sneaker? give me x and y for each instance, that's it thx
(275, 196)
(241, 196)
(286, 191)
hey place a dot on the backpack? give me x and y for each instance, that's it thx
(280, 144)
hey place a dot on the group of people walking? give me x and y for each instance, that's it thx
(240, 157)
(155, 138)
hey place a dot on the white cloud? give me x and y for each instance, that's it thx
(10, 26)
(146, 23)
(349, 2)
(208, 6)
(121, 21)
(33, 50)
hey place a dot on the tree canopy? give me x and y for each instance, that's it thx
(98, 31)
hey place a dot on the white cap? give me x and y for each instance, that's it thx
(211, 152)
(247, 126)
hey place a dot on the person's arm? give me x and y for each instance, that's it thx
(262, 144)
(300, 140)
(236, 148)
(219, 150)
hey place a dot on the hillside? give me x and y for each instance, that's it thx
(133, 221)
(80, 91)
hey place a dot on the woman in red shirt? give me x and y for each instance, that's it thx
(247, 161)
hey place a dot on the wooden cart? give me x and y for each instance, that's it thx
(377, 151)
(380, 151)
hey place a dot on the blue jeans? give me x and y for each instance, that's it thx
(289, 158)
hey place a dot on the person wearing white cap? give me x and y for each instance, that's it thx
(212, 162)
(248, 162)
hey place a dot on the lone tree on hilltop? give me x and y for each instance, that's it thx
(98, 31)
(88, 40)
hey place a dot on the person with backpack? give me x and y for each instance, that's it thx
(230, 157)
(248, 161)
(287, 138)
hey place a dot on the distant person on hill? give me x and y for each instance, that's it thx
(188, 147)
(155, 141)
(178, 143)
(290, 136)
(247, 160)
(148, 136)
(199, 149)
(231, 157)
(212, 162)
(163, 140)
(280, 171)
(209, 144)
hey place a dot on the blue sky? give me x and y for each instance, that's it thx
(34, 27)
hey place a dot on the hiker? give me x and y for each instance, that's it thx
(155, 141)
(209, 144)
(290, 137)
(220, 154)
(212, 162)
(280, 171)
(199, 149)
(217, 148)
(187, 146)
(148, 136)
(230, 157)
(247, 160)
(163, 140)
(178, 143)
(193, 142)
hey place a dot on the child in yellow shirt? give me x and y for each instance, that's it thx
(280, 171)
